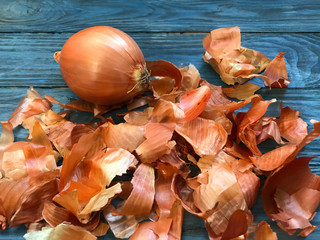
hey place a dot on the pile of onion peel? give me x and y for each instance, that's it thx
(236, 64)
(190, 149)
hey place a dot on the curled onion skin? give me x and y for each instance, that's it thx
(103, 65)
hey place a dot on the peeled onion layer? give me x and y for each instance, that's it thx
(31, 104)
(241, 92)
(161, 68)
(7, 135)
(291, 126)
(276, 71)
(234, 64)
(62, 231)
(188, 150)
(264, 232)
(291, 195)
(23, 200)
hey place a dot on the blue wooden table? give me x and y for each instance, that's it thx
(31, 31)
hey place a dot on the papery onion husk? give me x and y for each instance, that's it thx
(62, 231)
(103, 65)
(264, 232)
(291, 196)
(276, 71)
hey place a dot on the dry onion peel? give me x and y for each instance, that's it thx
(206, 136)
(84, 106)
(141, 198)
(161, 68)
(83, 192)
(55, 215)
(291, 195)
(276, 71)
(122, 226)
(190, 78)
(245, 134)
(62, 231)
(241, 92)
(234, 64)
(264, 232)
(194, 102)
(124, 135)
(291, 126)
(6, 136)
(183, 155)
(32, 104)
(23, 200)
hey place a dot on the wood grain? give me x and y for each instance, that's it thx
(26, 59)
(159, 16)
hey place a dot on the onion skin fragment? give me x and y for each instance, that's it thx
(291, 195)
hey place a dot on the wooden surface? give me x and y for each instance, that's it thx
(31, 31)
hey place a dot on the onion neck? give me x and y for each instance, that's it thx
(141, 76)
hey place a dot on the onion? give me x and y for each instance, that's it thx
(103, 65)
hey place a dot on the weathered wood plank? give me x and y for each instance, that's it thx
(26, 59)
(160, 16)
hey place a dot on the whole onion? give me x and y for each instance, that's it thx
(103, 65)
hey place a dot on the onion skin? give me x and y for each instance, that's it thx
(103, 65)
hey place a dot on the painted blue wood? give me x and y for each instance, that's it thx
(160, 16)
(26, 59)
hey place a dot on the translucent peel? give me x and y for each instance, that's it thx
(152, 230)
(217, 98)
(194, 102)
(275, 158)
(220, 197)
(164, 197)
(164, 88)
(276, 71)
(247, 180)
(84, 106)
(141, 198)
(247, 136)
(190, 78)
(62, 231)
(161, 68)
(23, 200)
(291, 195)
(241, 92)
(32, 104)
(122, 226)
(55, 215)
(234, 64)
(6, 136)
(70, 202)
(291, 126)
(21, 159)
(157, 143)
(264, 232)
(76, 154)
(206, 136)
(90, 177)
